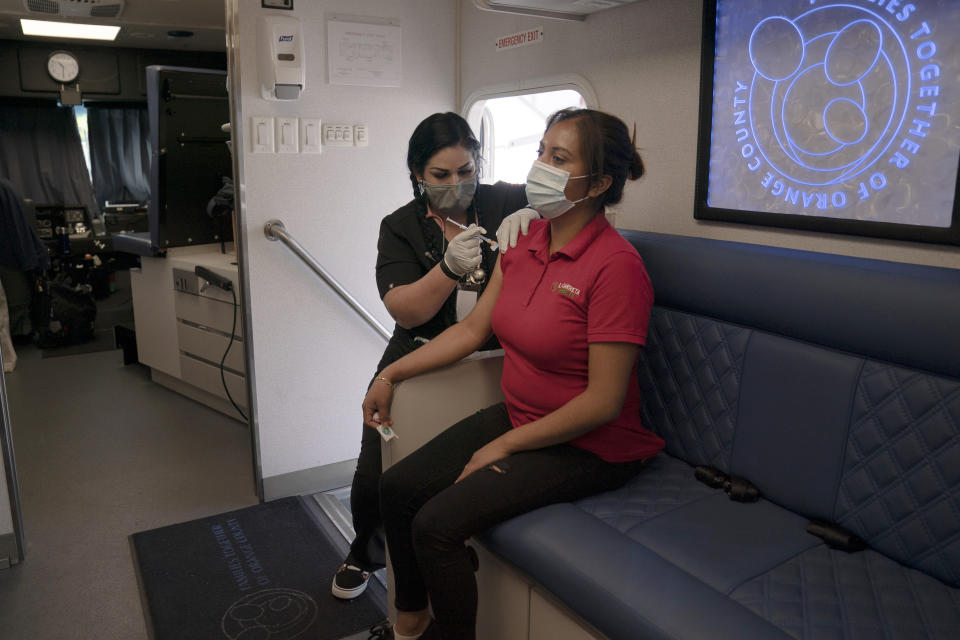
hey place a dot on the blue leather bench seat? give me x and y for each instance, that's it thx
(833, 385)
(824, 593)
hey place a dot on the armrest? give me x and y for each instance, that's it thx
(427, 404)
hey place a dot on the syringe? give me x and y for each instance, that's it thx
(493, 243)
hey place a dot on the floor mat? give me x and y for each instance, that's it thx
(260, 572)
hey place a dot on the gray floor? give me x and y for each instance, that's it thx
(102, 452)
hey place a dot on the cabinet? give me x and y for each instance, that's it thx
(184, 326)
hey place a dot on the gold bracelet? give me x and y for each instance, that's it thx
(389, 384)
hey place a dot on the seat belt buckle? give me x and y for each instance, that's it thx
(836, 537)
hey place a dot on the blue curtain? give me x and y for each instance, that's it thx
(119, 153)
(20, 248)
(41, 154)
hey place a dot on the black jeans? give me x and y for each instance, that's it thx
(427, 518)
(367, 547)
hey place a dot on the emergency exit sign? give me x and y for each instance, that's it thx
(519, 39)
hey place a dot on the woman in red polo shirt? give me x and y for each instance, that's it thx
(570, 305)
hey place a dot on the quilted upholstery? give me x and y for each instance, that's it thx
(665, 484)
(900, 488)
(836, 411)
(824, 593)
(689, 382)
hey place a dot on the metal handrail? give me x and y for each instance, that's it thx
(274, 230)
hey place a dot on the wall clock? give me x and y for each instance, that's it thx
(63, 67)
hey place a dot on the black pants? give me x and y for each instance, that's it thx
(367, 547)
(427, 518)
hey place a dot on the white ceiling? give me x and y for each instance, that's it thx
(144, 24)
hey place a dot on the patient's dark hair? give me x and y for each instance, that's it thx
(436, 132)
(606, 147)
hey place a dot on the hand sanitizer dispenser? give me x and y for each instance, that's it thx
(281, 58)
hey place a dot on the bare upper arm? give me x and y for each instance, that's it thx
(390, 301)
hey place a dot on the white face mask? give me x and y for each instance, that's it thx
(545, 190)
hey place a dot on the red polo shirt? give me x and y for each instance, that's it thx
(552, 307)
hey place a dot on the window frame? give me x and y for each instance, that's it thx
(473, 112)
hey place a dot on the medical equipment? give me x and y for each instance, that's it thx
(493, 243)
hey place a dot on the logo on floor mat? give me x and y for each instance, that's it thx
(271, 614)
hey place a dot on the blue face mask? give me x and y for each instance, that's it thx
(546, 185)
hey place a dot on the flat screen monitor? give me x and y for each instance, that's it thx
(834, 116)
(186, 108)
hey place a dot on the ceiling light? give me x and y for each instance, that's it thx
(49, 29)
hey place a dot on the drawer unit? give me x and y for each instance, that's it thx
(184, 322)
(209, 344)
(206, 376)
(206, 312)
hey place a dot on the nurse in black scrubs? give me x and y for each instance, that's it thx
(429, 273)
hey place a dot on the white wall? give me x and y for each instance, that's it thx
(313, 355)
(643, 61)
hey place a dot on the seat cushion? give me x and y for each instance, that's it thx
(725, 543)
(665, 484)
(614, 558)
(823, 593)
(700, 529)
(618, 585)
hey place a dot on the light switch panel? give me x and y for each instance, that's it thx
(338, 135)
(288, 135)
(261, 134)
(310, 140)
(361, 135)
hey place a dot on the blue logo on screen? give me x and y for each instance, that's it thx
(827, 112)
(828, 97)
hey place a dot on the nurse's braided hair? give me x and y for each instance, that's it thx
(607, 148)
(436, 132)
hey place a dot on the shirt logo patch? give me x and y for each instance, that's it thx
(565, 289)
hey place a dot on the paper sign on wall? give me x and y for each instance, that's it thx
(364, 54)
(519, 39)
